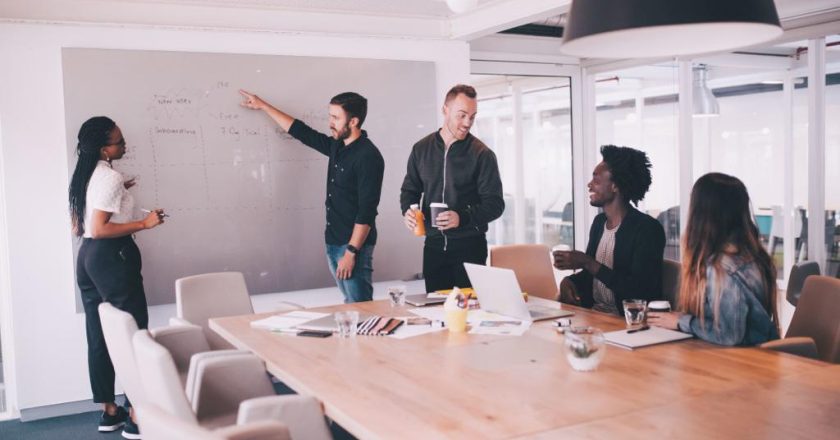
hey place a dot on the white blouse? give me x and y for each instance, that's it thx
(106, 192)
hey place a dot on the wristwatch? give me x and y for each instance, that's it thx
(353, 249)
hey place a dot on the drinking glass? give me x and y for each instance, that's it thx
(585, 348)
(347, 322)
(635, 312)
(397, 295)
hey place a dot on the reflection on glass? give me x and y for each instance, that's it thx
(542, 187)
(637, 108)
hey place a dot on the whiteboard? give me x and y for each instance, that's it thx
(242, 194)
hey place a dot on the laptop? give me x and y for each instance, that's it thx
(498, 291)
(327, 323)
(422, 299)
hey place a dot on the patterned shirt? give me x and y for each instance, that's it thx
(604, 299)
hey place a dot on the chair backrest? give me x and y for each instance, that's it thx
(818, 316)
(671, 281)
(159, 425)
(159, 377)
(119, 327)
(212, 295)
(532, 265)
(796, 280)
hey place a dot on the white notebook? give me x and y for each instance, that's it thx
(652, 336)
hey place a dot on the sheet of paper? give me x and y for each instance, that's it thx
(410, 331)
(287, 320)
(509, 327)
(438, 314)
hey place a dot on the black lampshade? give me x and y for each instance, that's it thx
(653, 28)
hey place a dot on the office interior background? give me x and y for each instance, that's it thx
(773, 125)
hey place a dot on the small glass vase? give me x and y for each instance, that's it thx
(585, 348)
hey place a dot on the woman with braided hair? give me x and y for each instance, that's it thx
(108, 265)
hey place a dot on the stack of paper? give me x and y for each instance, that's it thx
(287, 320)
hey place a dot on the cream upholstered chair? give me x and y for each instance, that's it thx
(532, 265)
(223, 390)
(815, 328)
(213, 295)
(118, 327)
(160, 425)
(183, 342)
(671, 281)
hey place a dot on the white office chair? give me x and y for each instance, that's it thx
(223, 391)
(119, 327)
(213, 295)
(160, 425)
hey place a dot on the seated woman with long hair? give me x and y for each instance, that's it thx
(728, 288)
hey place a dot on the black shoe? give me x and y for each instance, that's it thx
(131, 430)
(111, 423)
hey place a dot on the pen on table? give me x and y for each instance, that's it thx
(147, 211)
(640, 329)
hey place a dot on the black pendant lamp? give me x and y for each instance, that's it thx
(656, 28)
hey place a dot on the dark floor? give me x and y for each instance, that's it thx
(83, 426)
(75, 427)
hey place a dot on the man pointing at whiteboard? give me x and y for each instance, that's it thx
(354, 185)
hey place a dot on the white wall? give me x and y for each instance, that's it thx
(49, 349)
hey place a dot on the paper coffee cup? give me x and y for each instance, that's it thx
(659, 306)
(456, 320)
(437, 208)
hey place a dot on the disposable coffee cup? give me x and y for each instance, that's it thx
(437, 208)
(659, 306)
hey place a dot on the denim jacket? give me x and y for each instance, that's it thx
(742, 320)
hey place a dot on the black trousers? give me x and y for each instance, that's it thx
(108, 270)
(444, 269)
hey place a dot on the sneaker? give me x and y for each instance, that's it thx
(111, 423)
(131, 430)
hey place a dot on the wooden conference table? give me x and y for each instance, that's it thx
(444, 385)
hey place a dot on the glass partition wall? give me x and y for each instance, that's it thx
(526, 120)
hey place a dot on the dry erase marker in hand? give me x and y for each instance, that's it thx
(147, 211)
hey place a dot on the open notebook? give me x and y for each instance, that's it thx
(652, 336)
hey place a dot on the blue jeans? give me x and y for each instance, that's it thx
(359, 286)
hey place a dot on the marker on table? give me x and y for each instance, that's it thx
(640, 329)
(147, 211)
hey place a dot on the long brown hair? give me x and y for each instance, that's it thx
(720, 221)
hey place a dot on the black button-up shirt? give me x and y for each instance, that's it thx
(354, 182)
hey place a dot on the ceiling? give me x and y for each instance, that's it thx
(395, 18)
(403, 8)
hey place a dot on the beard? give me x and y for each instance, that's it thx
(342, 134)
(455, 132)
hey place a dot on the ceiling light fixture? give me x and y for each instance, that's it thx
(705, 103)
(655, 28)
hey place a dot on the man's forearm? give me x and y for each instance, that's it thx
(360, 233)
(282, 119)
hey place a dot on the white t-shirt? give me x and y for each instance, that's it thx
(106, 192)
(603, 296)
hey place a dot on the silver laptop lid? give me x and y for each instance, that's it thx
(498, 291)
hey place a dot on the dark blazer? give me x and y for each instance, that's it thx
(637, 260)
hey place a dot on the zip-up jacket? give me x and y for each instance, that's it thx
(466, 178)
